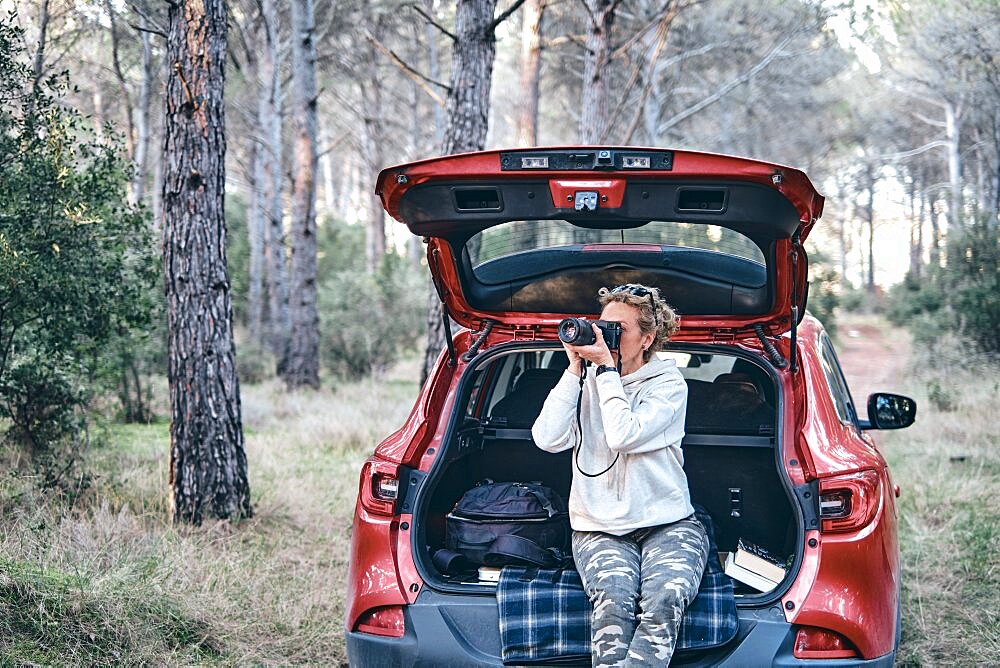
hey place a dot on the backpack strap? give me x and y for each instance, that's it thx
(518, 547)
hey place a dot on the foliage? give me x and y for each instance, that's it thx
(40, 398)
(254, 362)
(852, 299)
(75, 260)
(962, 297)
(368, 319)
(823, 290)
(973, 284)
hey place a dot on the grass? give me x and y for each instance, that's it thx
(948, 467)
(105, 579)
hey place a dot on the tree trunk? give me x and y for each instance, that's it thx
(995, 215)
(256, 40)
(935, 250)
(269, 102)
(140, 159)
(326, 168)
(870, 219)
(301, 365)
(531, 66)
(372, 135)
(43, 26)
(467, 109)
(915, 221)
(434, 72)
(255, 238)
(953, 132)
(208, 467)
(595, 103)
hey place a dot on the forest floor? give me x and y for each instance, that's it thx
(100, 577)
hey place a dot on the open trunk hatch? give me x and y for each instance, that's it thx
(526, 237)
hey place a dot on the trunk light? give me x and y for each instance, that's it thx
(379, 487)
(384, 621)
(534, 162)
(849, 502)
(816, 643)
(635, 162)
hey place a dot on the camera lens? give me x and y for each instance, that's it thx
(576, 332)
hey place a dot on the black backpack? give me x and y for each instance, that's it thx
(500, 523)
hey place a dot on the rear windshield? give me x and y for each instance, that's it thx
(526, 235)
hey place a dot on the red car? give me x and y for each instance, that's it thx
(775, 450)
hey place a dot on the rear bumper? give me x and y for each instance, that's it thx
(462, 630)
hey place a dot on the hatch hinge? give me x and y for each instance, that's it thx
(481, 335)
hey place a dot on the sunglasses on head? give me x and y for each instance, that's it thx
(639, 291)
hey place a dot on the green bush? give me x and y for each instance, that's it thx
(973, 282)
(76, 264)
(254, 363)
(368, 319)
(962, 297)
(853, 299)
(42, 400)
(823, 298)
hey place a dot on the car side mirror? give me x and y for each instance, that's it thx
(890, 411)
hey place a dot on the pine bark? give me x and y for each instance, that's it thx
(301, 364)
(373, 138)
(531, 67)
(269, 103)
(596, 71)
(208, 467)
(140, 159)
(467, 109)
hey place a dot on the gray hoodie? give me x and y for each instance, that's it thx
(639, 417)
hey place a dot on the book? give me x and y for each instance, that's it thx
(747, 577)
(758, 560)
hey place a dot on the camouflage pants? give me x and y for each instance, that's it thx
(654, 572)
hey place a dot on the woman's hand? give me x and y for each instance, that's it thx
(596, 352)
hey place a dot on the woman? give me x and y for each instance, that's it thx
(636, 543)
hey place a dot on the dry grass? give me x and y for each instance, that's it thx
(108, 581)
(948, 467)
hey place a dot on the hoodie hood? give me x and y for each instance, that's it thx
(651, 369)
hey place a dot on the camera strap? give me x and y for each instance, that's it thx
(579, 428)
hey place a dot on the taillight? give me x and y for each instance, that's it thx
(816, 643)
(379, 486)
(849, 502)
(384, 621)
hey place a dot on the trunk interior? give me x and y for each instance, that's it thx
(729, 450)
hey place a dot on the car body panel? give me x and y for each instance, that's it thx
(776, 206)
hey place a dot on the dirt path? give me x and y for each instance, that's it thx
(874, 357)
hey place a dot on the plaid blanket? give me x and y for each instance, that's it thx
(545, 613)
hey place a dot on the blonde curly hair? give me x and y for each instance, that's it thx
(655, 315)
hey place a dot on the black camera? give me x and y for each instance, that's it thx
(579, 332)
